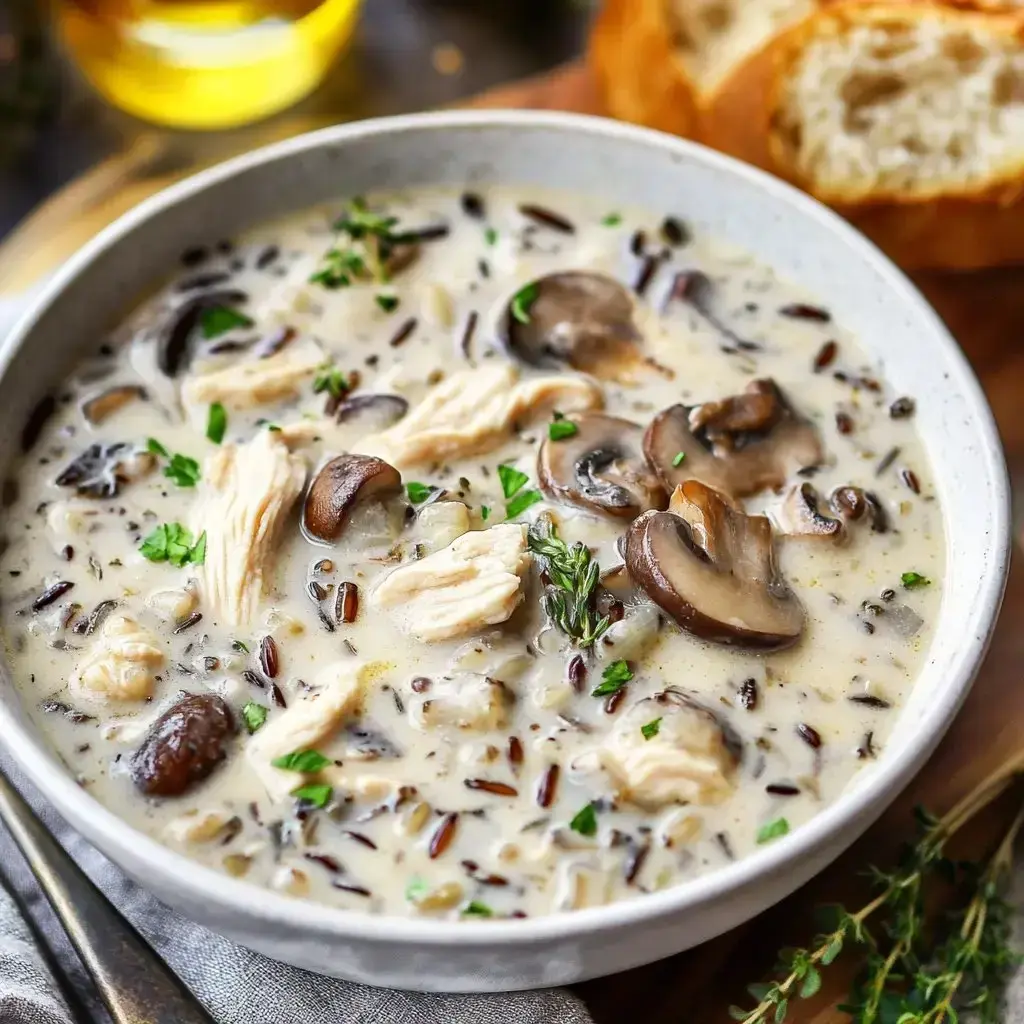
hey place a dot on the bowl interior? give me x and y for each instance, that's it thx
(624, 165)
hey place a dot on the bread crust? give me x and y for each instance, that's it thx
(641, 79)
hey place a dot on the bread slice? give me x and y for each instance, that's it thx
(633, 58)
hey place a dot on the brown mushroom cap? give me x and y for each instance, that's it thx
(576, 318)
(739, 445)
(374, 412)
(109, 401)
(801, 515)
(601, 468)
(336, 489)
(712, 568)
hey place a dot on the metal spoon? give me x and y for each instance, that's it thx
(136, 986)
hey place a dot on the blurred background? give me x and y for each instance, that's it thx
(174, 83)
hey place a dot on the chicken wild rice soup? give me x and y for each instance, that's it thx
(480, 555)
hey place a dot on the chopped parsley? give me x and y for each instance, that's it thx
(418, 493)
(239, 646)
(340, 267)
(512, 480)
(614, 678)
(254, 715)
(216, 423)
(611, 220)
(773, 830)
(585, 821)
(485, 513)
(559, 430)
(273, 428)
(156, 448)
(491, 236)
(217, 320)
(651, 729)
(523, 300)
(306, 761)
(315, 793)
(477, 909)
(416, 889)
(330, 379)
(358, 221)
(184, 471)
(521, 502)
(172, 542)
(388, 303)
(912, 580)
(678, 458)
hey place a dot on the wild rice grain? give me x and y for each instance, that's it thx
(268, 657)
(346, 604)
(495, 788)
(443, 835)
(547, 788)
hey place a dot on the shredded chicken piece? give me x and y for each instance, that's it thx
(308, 723)
(256, 381)
(473, 411)
(249, 490)
(120, 665)
(686, 758)
(467, 700)
(474, 582)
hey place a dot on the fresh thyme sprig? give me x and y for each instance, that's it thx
(372, 240)
(902, 982)
(574, 575)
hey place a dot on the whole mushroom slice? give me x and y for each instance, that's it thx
(801, 515)
(339, 486)
(712, 568)
(575, 318)
(373, 412)
(106, 403)
(739, 445)
(601, 468)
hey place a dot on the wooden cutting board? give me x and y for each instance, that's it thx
(986, 313)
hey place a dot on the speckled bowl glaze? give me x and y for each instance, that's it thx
(622, 164)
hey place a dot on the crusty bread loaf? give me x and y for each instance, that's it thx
(906, 116)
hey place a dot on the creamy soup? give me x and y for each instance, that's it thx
(480, 555)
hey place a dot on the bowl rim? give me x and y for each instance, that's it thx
(103, 829)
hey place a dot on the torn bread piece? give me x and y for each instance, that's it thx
(474, 411)
(248, 491)
(476, 581)
(121, 665)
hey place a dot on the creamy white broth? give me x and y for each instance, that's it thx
(434, 809)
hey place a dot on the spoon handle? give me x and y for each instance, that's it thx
(134, 983)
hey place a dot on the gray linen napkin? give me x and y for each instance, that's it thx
(236, 985)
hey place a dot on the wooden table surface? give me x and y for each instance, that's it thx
(984, 310)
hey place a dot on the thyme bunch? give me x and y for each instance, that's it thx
(911, 976)
(573, 576)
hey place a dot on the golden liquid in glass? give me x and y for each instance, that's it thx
(204, 63)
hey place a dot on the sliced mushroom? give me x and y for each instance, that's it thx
(101, 469)
(801, 515)
(374, 412)
(578, 318)
(711, 567)
(173, 335)
(601, 467)
(853, 504)
(106, 403)
(337, 488)
(739, 445)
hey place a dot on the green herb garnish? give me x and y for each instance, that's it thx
(651, 729)
(512, 479)
(611, 220)
(477, 909)
(677, 459)
(339, 268)
(330, 379)
(573, 574)
(485, 513)
(172, 542)
(614, 678)
(315, 793)
(585, 821)
(559, 430)
(217, 320)
(307, 761)
(156, 448)
(273, 428)
(416, 888)
(183, 470)
(523, 300)
(254, 715)
(491, 236)
(388, 303)
(773, 830)
(417, 492)
(521, 502)
(216, 423)
(912, 580)
(358, 221)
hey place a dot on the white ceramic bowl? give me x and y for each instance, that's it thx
(784, 228)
